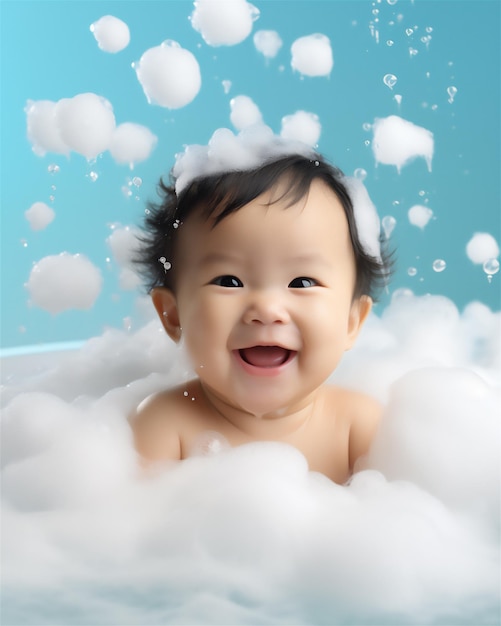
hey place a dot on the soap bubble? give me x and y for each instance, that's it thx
(439, 265)
(390, 80)
(388, 222)
(491, 267)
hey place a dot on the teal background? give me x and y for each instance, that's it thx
(48, 52)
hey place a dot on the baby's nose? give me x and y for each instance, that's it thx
(266, 308)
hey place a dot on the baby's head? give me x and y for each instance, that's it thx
(214, 197)
(264, 275)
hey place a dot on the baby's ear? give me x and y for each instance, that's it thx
(165, 304)
(360, 309)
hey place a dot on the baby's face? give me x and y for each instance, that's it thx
(265, 300)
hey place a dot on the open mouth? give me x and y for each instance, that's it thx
(266, 356)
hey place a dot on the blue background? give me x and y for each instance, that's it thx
(48, 52)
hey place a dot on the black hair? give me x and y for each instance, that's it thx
(218, 195)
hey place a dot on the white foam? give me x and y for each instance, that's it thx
(267, 42)
(413, 538)
(42, 127)
(302, 126)
(169, 75)
(482, 247)
(111, 33)
(244, 112)
(366, 216)
(39, 215)
(419, 215)
(86, 123)
(397, 141)
(124, 244)
(132, 143)
(223, 22)
(312, 55)
(227, 152)
(61, 282)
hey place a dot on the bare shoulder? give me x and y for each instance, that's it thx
(362, 413)
(156, 424)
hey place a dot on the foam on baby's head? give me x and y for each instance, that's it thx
(255, 146)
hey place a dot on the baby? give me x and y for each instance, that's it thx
(262, 274)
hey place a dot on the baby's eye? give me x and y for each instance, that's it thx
(227, 281)
(302, 282)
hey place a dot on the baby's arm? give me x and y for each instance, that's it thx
(365, 422)
(155, 436)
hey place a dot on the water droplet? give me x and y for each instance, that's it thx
(176, 224)
(413, 52)
(24, 243)
(366, 126)
(375, 11)
(412, 271)
(185, 394)
(126, 191)
(52, 198)
(192, 399)
(439, 265)
(388, 222)
(390, 42)
(53, 169)
(434, 107)
(226, 86)
(491, 267)
(409, 31)
(396, 202)
(93, 176)
(390, 80)
(392, 2)
(167, 266)
(421, 193)
(452, 91)
(367, 142)
(360, 173)
(147, 211)
(137, 181)
(162, 259)
(398, 98)
(429, 29)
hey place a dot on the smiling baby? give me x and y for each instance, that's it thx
(263, 275)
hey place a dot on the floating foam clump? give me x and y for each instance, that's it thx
(84, 124)
(124, 244)
(302, 126)
(312, 55)
(169, 75)
(244, 112)
(111, 33)
(132, 143)
(268, 43)
(366, 216)
(39, 215)
(482, 247)
(223, 22)
(61, 282)
(397, 141)
(419, 215)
